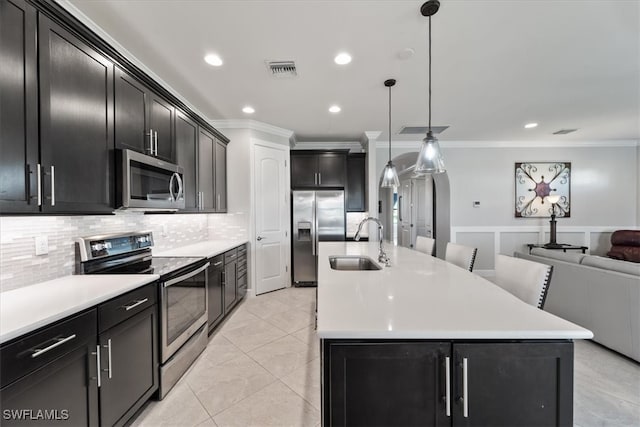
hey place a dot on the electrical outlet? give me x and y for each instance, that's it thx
(165, 230)
(42, 245)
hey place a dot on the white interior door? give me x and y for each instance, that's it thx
(271, 218)
(404, 213)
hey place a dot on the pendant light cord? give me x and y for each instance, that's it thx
(429, 73)
(389, 123)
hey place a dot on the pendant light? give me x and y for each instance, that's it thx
(430, 157)
(389, 178)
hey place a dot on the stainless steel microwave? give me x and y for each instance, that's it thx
(146, 183)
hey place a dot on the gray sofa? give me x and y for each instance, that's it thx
(600, 294)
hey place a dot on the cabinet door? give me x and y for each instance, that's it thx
(356, 178)
(131, 114)
(76, 123)
(215, 292)
(385, 384)
(66, 387)
(18, 108)
(303, 170)
(206, 153)
(161, 114)
(186, 156)
(220, 171)
(230, 285)
(332, 170)
(129, 367)
(515, 384)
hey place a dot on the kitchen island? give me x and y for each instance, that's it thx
(424, 342)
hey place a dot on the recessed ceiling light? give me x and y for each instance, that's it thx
(530, 125)
(334, 109)
(248, 110)
(213, 59)
(342, 58)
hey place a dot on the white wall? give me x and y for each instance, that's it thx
(605, 194)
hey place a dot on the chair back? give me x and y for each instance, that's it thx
(527, 280)
(461, 255)
(425, 244)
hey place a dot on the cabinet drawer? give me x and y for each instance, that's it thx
(217, 261)
(242, 250)
(39, 348)
(123, 307)
(230, 256)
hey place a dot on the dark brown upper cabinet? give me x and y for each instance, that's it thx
(144, 121)
(18, 108)
(187, 157)
(355, 191)
(315, 169)
(212, 173)
(76, 123)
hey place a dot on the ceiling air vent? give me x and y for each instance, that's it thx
(564, 131)
(282, 68)
(420, 130)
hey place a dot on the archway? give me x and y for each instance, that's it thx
(419, 207)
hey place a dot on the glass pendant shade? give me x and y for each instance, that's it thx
(389, 178)
(430, 157)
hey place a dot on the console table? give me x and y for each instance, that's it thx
(560, 247)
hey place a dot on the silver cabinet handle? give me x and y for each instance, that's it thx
(98, 370)
(59, 341)
(53, 185)
(319, 178)
(135, 304)
(108, 347)
(315, 178)
(465, 388)
(215, 264)
(151, 142)
(39, 177)
(156, 144)
(217, 201)
(259, 238)
(202, 200)
(447, 384)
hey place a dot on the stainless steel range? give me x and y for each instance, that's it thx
(182, 293)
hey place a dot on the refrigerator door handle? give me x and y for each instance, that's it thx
(314, 227)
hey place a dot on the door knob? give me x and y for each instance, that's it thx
(258, 238)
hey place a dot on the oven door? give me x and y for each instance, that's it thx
(148, 183)
(183, 309)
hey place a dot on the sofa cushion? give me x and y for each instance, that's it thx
(625, 253)
(625, 238)
(612, 264)
(560, 255)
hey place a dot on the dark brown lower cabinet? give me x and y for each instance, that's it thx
(129, 364)
(215, 291)
(49, 376)
(230, 281)
(424, 383)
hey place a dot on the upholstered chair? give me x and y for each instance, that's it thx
(527, 280)
(461, 255)
(425, 244)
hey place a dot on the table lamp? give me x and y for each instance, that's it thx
(553, 199)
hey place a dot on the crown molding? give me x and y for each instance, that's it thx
(517, 144)
(353, 146)
(373, 135)
(251, 125)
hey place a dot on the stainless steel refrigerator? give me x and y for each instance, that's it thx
(318, 216)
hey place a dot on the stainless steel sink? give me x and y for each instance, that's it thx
(353, 263)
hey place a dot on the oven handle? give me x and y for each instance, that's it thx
(186, 276)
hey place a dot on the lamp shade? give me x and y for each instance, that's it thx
(430, 157)
(389, 178)
(553, 198)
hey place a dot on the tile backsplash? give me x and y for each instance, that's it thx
(19, 266)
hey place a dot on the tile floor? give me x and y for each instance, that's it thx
(262, 368)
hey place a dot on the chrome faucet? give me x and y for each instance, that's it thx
(382, 256)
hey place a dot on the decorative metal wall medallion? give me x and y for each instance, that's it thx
(536, 181)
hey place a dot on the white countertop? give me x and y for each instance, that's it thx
(209, 248)
(28, 308)
(423, 297)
